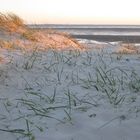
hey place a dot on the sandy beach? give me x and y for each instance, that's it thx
(53, 87)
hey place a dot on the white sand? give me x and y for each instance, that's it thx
(90, 94)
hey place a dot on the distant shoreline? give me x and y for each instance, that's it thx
(103, 33)
(110, 38)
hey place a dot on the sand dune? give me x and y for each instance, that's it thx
(53, 88)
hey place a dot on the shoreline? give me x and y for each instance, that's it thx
(110, 38)
(101, 38)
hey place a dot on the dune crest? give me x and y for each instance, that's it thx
(14, 34)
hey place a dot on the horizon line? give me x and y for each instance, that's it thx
(83, 24)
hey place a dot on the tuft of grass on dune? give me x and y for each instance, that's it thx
(14, 24)
(11, 23)
(30, 35)
(128, 48)
(15, 34)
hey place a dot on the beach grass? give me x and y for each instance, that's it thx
(11, 22)
(45, 90)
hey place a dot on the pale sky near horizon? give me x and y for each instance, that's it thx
(75, 11)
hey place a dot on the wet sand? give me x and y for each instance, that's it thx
(110, 38)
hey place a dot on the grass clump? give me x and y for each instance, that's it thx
(128, 49)
(30, 35)
(11, 22)
(6, 44)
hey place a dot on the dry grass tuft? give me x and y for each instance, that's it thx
(6, 44)
(11, 23)
(51, 31)
(30, 35)
(128, 49)
(1, 59)
(15, 34)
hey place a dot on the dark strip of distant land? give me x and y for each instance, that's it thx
(110, 38)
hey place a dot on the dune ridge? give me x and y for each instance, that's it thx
(15, 34)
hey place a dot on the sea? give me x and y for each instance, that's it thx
(103, 33)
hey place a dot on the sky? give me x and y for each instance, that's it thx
(75, 11)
